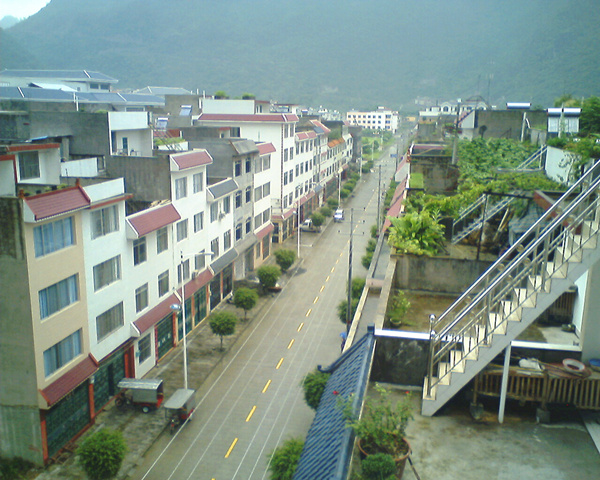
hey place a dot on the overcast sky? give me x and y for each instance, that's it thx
(21, 8)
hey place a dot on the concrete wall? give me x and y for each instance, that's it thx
(436, 274)
(20, 434)
(507, 123)
(401, 361)
(148, 178)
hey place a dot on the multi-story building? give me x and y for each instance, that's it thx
(380, 119)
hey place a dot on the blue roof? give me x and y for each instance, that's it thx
(328, 447)
(44, 94)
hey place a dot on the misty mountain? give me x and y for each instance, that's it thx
(339, 53)
(8, 21)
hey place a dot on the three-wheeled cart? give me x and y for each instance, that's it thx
(179, 407)
(144, 393)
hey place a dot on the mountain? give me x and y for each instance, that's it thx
(8, 21)
(339, 53)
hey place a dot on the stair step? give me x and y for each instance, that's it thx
(524, 298)
(535, 281)
(510, 312)
(497, 325)
(590, 228)
(557, 269)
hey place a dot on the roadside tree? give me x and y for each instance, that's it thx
(268, 275)
(223, 324)
(245, 298)
(102, 454)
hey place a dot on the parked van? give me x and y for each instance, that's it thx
(338, 216)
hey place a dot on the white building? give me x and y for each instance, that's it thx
(380, 119)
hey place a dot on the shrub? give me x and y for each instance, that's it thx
(366, 260)
(245, 298)
(355, 176)
(366, 168)
(398, 308)
(371, 245)
(285, 258)
(14, 468)
(417, 233)
(222, 324)
(102, 454)
(268, 275)
(374, 231)
(326, 211)
(358, 284)
(342, 310)
(318, 219)
(283, 460)
(314, 385)
(378, 466)
(344, 193)
(332, 202)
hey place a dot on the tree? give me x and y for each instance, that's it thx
(248, 96)
(342, 309)
(268, 275)
(245, 298)
(589, 121)
(283, 460)
(318, 219)
(220, 94)
(314, 385)
(358, 284)
(325, 211)
(223, 324)
(378, 466)
(285, 258)
(102, 454)
(416, 233)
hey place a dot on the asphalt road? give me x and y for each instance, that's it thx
(253, 401)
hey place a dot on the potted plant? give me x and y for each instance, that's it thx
(382, 426)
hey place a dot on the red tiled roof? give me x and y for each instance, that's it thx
(286, 215)
(32, 147)
(264, 148)
(240, 117)
(306, 197)
(57, 202)
(192, 159)
(335, 142)
(149, 221)
(70, 380)
(265, 231)
(316, 123)
(306, 135)
(396, 205)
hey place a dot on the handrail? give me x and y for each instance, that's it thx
(510, 251)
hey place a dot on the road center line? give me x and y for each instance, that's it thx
(251, 413)
(332, 269)
(327, 279)
(291, 343)
(316, 299)
(308, 313)
(322, 288)
(302, 324)
(279, 364)
(231, 448)
(266, 386)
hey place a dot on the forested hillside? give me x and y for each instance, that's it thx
(338, 53)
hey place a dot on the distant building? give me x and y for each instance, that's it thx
(380, 119)
(66, 80)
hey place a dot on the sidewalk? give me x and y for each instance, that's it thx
(141, 430)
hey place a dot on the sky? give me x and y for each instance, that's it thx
(21, 8)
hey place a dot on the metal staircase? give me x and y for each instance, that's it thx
(476, 223)
(514, 291)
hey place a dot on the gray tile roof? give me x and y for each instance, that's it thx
(328, 446)
(52, 95)
(223, 188)
(62, 74)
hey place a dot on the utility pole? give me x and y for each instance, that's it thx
(349, 306)
(378, 198)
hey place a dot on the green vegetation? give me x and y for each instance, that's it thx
(245, 298)
(285, 258)
(14, 468)
(380, 466)
(342, 310)
(397, 309)
(358, 285)
(283, 461)
(326, 211)
(416, 233)
(268, 275)
(102, 453)
(222, 324)
(314, 385)
(318, 219)
(332, 202)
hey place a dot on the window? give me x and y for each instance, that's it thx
(248, 194)
(180, 188)
(266, 215)
(182, 230)
(139, 251)
(266, 189)
(227, 204)
(237, 169)
(248, 225)
(162, 239)
(183, 271)
(58, 296)
(53, 236)
(267, 162)
(144, 347)
(214, 211)
(285, 178)
(238, 199)
(297, 170)
(214, 247)
(105, 221)
(291, 176)
(141, 297)
(257, 220)
(29, 165)
(291, 153)
(163, 283)
(107, 272)
(248, 165)
(257, 194)
(198, 182)
(109, 321)
(198, 222)
(200, 261)
(238, 232)
(285, 155)
(62, 353)
(227, 240)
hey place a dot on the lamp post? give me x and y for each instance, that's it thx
(349, 306)
(181, 306)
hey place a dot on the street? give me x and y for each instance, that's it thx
(253, 400)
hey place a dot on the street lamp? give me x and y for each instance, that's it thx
(181, 306)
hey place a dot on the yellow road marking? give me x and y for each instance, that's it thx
(322, 288)
(279, 364)
(266, 386)
(332, 269)
(291, 343)
(327, 279)
(337, 261)
(316, 299)
(231, 448)
(251, 413)
(308, 313)
(302, 324)
(341, 253)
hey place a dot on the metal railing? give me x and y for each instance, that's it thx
(516, 277)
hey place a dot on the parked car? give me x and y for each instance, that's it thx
(308, 226)
(338, 216)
